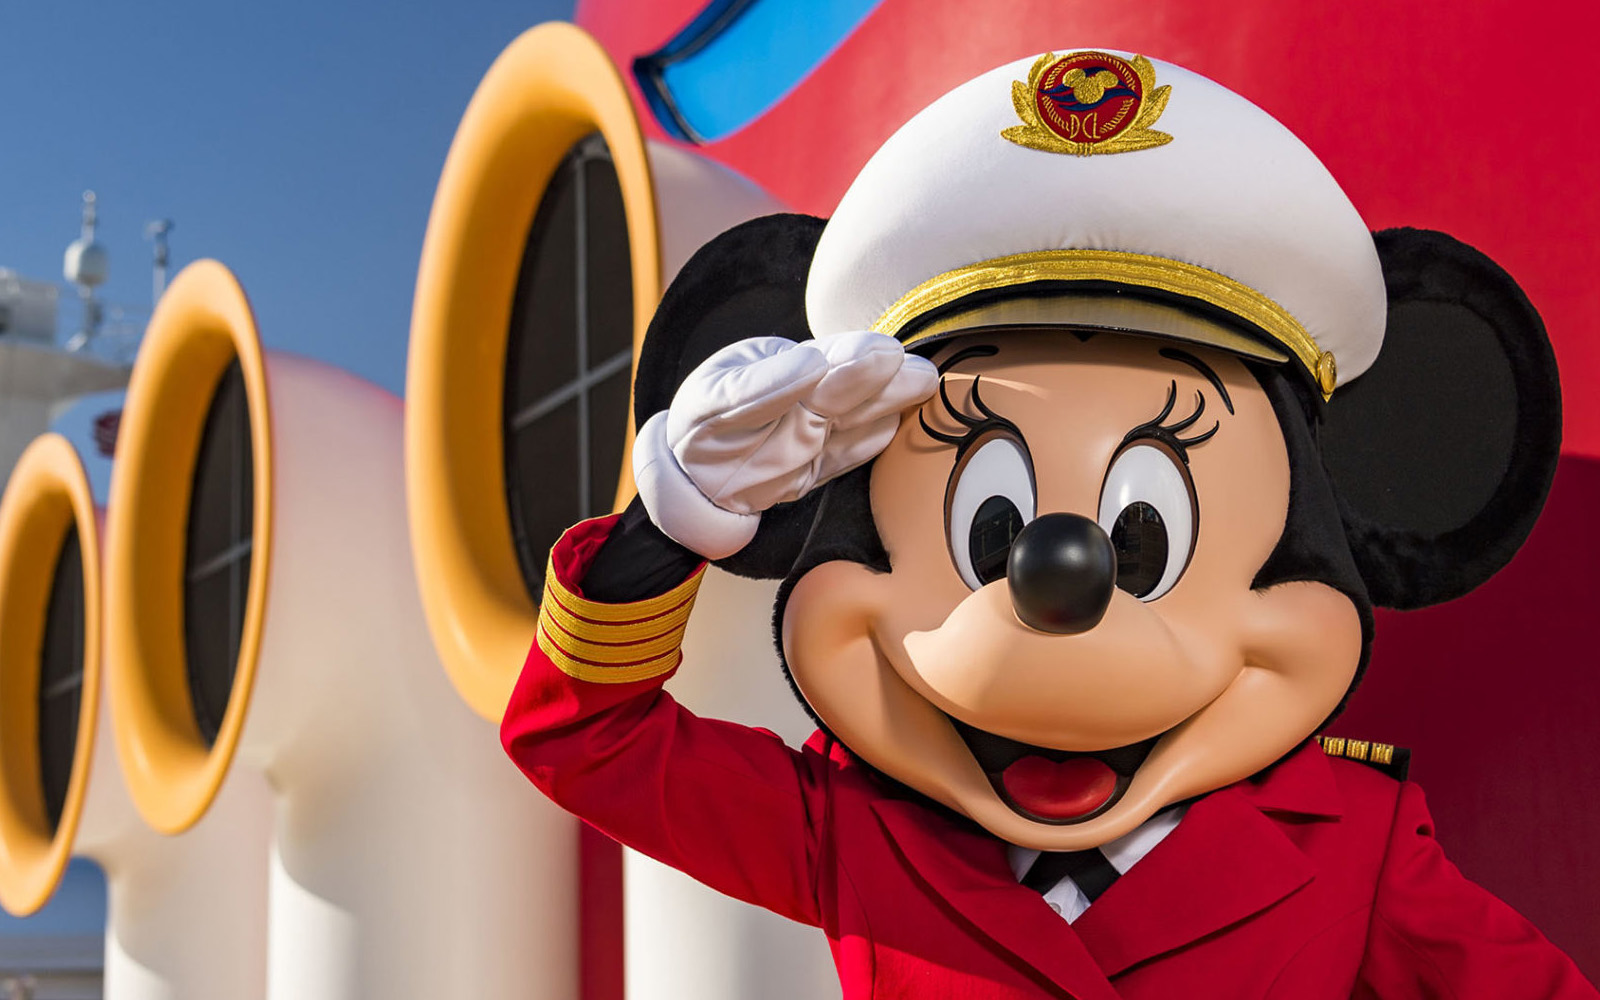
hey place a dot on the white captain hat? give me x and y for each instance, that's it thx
(1105, 190)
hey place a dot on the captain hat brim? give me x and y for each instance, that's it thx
(1094, 310)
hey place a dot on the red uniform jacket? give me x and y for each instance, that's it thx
(1318, 878)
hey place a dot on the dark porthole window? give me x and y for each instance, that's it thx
(216, 571)
(568, 357)
(61, 677)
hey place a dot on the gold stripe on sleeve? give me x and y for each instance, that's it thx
(614, 643)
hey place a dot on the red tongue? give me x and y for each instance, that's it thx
(1050, 790)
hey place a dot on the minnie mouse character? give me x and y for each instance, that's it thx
(1072, 442)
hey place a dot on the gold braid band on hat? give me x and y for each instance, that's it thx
(1121, 267)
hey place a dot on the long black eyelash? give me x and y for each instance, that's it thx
(950, 408)
(977, 401)
(1168, 433)
(1202, 438)
(1187, 422)
(1166, 411)
(941, 436)
(975, 426)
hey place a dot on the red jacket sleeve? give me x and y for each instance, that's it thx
(1434, 933)
(589, 724)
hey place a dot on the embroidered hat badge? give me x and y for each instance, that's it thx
(1088, 102)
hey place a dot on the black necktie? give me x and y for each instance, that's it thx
(1089, 869)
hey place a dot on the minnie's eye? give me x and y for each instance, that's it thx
(1148, 508)
(989, 499)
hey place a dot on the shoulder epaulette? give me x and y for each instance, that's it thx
(1391, 760)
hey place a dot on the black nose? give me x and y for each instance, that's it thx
(1062, 570)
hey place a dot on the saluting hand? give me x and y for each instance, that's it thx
(764, 421)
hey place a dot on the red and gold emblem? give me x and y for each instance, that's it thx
(1088, 102)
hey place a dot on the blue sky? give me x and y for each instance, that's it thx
(299, 142)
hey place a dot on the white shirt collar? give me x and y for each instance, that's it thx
(1123, 853)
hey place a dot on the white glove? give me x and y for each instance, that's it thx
(764, 421)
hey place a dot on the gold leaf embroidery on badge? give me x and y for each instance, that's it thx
(1079, 128)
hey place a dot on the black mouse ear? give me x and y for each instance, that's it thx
(748, 282)
(1442, 453)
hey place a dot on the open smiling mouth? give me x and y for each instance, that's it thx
(1054, 786)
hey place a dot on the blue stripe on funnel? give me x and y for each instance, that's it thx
(738, 58)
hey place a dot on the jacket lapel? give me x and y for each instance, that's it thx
(967, 868)
(1225, 862)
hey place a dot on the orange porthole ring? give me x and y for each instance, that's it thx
(47, 496)
(547, 90)
(202, 325)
